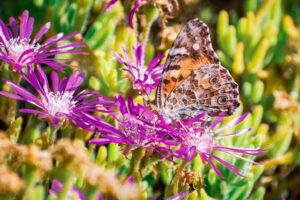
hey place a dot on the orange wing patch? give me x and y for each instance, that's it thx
(187, 65)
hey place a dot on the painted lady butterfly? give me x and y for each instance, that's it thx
(193, 79)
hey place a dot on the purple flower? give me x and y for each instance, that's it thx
(140, 3)
(143, 79)
(73, 193)
(19, 49)
(140, 127)
(198, 138)
(59, 104)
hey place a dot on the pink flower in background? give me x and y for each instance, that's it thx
(19, 49)
(140, 127)
(198, 138)
(59, 103)
(144, 79)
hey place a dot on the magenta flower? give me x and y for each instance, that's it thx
(19, 49)
(140, 3)
(197, 138)
(59, 104)
(143, 79)
(73, 193)
(140, 127)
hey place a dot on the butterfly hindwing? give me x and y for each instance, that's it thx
(209, 89)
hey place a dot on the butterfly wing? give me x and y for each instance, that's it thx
(209, 89)
(191, 56)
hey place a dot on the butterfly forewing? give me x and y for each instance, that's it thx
(193, 80)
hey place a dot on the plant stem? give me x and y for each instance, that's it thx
(177, 176)
(137, 156)
(91, 194)
(52, 135)
(13, 104)
(145, 33)
(30, 179)
(63, 194)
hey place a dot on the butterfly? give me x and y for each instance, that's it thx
(193, 79)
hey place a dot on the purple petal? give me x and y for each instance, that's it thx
(121, 104)
(215, 122)
(43, 30)
(54, 65)
(29, 28)
(101, 141)
(229, 166)
(4, 31)
(14, 27)
(26, 56)
(155, 62)
(62, 84)
(53, 39)
(110, 4)
(139, 51)
(43, 79)
(23, 23)
(214, 167)
(23, 93)
(33, 80)
(10, 95)
(54, 78)
(236, 133)
(30, 111)
(55, 121)
(137, 5)
(234, 122)
(74, 81)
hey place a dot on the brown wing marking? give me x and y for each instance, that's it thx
(187, 66)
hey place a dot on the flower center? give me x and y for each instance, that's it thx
(203, 142)
(137, 131)
(15, 48)
(59, 104)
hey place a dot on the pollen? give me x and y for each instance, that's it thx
(16, 47)
(203, 142)
(59, 104)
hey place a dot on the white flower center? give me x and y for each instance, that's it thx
(59, 104)
(140, 75)
(137, 131)
(203, 142)
(15, 47)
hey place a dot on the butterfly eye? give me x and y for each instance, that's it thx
(222, 100)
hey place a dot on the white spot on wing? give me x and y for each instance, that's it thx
(196, 46)
(179, 51)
